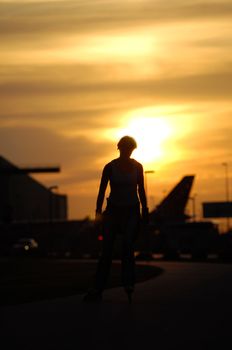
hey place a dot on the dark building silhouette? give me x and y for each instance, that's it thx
(23, 199)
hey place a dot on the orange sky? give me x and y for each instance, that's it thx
(77, 75)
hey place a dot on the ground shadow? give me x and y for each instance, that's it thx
(28, 280)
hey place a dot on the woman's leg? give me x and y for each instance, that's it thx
(105, 260)
(128, 260)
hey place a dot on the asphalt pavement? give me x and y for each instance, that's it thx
(187, 306)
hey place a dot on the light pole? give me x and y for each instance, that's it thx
(50, 239)
(147, 172)
(147, 253)
(193, 199)
(51, 188)
(227, 190)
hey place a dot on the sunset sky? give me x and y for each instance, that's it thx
(75, 76)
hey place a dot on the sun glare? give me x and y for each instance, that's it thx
(150, 134)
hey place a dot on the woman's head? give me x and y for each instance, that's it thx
(126, 145)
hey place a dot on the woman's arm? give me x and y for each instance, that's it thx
(102, 189)
(141, 189)
(142, 194)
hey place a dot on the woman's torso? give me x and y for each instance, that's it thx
(123, 183)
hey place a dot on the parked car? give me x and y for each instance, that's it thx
(25, 246)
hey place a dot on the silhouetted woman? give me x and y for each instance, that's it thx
(121, 216)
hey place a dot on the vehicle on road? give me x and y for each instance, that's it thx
(25, 246)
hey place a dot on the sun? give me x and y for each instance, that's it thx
(150, 133)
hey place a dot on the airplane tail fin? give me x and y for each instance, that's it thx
(173, 205)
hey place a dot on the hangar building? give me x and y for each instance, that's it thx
(23, 199)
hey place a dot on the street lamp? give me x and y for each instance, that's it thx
(147, 172)
(193, 199)
(227, 190)
(51, 188)
(50, 237)
(55, 187)
(147, 253)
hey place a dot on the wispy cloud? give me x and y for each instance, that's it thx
(201, 86)
(78, 156)
(78, 16)
(72, 70)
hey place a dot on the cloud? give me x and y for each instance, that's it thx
(215, 42)
(205, 150)
(58, 17)
(186, 62)
(210, 140)
(217, 85)
(78, 157)
(80, 119)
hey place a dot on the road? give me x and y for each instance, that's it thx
(187, 306)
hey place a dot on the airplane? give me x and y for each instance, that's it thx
(172, 207)
(170, 211)
(170, 230)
